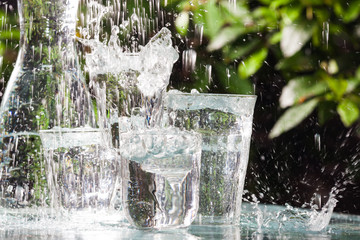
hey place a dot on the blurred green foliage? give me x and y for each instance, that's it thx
(315, 46)
(9, 40)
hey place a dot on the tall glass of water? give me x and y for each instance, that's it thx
(160, 177)
(225, 123)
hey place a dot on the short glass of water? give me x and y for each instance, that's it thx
(81, 169)
(160, 176)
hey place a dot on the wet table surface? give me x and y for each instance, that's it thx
(257, 222)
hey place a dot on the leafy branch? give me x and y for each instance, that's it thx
(314, 44)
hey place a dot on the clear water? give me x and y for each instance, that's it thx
(258, 223)
(81, 169)
(160, 200)
(112, 226)
(160, 174)
(22, 171)
(217, 184)
(45, 89)
(226, 129)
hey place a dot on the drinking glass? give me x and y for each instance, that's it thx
(225, 123)
(81, 168)
(160, 173)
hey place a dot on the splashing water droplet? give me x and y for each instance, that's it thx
(208, 73)
(317, 140)
(189, 60)
(325, 34)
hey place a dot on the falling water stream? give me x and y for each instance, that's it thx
(129, 58)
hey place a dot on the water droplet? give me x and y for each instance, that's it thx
(317, 140)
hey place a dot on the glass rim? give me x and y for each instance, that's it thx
(169, 131)
(251, 96)
(72, 130)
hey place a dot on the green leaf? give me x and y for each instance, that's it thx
(298, 63)
(213, 19)
(231, 81)
(182, 23)
(300, 89)
(241, 50)
(337, 86)
(348, 111)
(265, 16)
(352, 12)
(312, 2)
(352, 84)
(292, 117)
(338, 9)
(294, 37)
(199, 17)
(277, 3)
(10, 35)
(252, 64)
(292, 13)
(275, 38)
(235, 15)
(225, 36)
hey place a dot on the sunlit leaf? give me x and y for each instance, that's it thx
(182, 23)
(348, 111)
(224, 37)
(338, 86)
(252, 64)
(213, 19)
(275, 38)
(292, 117)
(235, 15)
(352, 11)
(352, 84)
(301, 89)
(338, 9)
(277, 3)
(294, 37)
(333, 67)
(292, 13)
(265, 16)
(10, 35)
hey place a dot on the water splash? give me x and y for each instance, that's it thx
(315, 219)
(319, 220)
